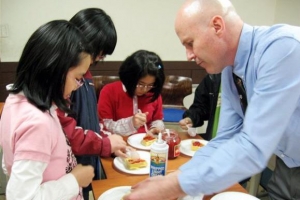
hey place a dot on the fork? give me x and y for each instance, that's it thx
(145, 125)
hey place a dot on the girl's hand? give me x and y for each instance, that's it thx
(116, 142)
(83, 174)
(122, 152)
(139, 119)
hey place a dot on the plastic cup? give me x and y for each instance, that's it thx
(192, 131)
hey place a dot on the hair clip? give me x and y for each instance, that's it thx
(159, 67)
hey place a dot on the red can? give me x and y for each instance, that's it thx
(174, 143)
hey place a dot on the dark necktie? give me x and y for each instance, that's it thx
(241, 90)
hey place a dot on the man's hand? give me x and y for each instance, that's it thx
(158, 187)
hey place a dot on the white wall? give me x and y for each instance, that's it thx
(288, 11)
(257, 12)
(139, 23)
(147, 24)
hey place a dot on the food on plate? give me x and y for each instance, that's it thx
(148, 140)
(196, 145)
(133, 164)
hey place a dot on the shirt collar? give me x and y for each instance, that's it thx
(244, 50)
(124, 88)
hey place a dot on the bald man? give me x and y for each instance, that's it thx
(260, 110)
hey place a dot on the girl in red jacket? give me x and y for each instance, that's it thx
(127, 105)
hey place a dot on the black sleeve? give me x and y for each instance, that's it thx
(200, 109)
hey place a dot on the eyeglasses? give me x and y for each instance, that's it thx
(100, 57)
(79, 82)
(147, 87)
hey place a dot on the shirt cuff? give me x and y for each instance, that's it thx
(70, 185)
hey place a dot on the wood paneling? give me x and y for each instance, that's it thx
(180, 68)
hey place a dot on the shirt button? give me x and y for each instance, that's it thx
(282, 155)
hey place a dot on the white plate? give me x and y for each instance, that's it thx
(185, 146)
(199, 197)
(115, 193)
(135, 141)
(118, 163)
(233, 196)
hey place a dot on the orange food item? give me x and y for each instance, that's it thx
(196, 145)
(148, 140)
(133, 164)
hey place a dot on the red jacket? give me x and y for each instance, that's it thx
(84, 142)
(116, 108)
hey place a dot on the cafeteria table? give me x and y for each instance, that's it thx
(117, 178)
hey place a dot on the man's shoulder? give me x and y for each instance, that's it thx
(277, 31)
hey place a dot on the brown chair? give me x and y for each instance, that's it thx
(175, 89)
(100, 81)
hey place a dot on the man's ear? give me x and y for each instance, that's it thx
(217, 23)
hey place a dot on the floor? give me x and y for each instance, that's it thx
(262, 194)
(91, 196)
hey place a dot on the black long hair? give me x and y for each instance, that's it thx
(138, 65)
(50, 52)
(98, 28)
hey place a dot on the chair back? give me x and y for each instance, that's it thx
(100, 81)
(175, 89)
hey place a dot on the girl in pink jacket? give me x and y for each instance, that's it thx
(37, 155)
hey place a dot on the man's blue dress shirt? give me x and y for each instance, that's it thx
(268, 62)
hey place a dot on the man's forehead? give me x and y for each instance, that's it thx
(184, 34)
